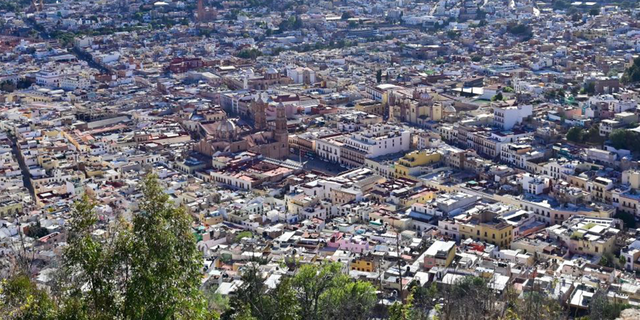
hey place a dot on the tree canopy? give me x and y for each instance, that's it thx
(632, 74)
(320, 291)
(148, 268)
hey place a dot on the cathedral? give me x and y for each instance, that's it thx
(205, 14)
(233, 135)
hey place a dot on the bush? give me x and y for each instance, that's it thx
(632, 74)
(249, 53)
(243, 234)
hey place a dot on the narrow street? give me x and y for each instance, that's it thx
(23, 165)
(81, 55)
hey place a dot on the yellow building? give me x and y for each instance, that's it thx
(362, 264)
(487, 227)
(371, 107)
(409, 165)
(440, 254)
(587, 235)
(10, 208)
(422, 196)
(213, 219)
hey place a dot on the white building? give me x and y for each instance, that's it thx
(506, 117)
(301, 75)
(380, 140)
(74, 82)
(49, 79)
(534, 184)
(328, 148)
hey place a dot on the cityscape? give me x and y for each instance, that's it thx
(316, 159)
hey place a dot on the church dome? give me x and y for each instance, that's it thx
(450, 109)
(225, 129)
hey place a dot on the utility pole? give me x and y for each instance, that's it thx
(399, 264)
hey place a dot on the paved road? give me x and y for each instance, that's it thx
(23, 165)
(80, 54)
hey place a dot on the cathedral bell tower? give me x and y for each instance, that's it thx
(259, 107)
(281, 135)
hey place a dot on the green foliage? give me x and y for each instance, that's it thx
(164, 261)
(625, 139)
(590, 88)
(632, 74)
(20, 298)
(354, 299)
(521, 30)
(16, 6)
(315, 292)
(628, 219)
(346, 15)
(476, 58)
(576, 17)
(605, 261)
(89, 261)
(555, 94)
(148, 269)
(378, 76)
(579, 135)
(497, 97)
(603, 309)
(422, 299)
(292, 23)
(249, 53)
(399, 311)
(314, 282)
(7, 86)
(536, 305)
(452, 34)
(243, 234)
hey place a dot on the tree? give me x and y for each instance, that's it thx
(593, 135)
(347, 15)
(249, 53)
(534, 305)
(497, 97)
(575, 134)
(632, 74)
(625, 139)
(351, 301)
(315, 292)
(149, 269)
(590, 88)
(469, 298)
(422, 299)
(521, 30)
(90, 261)
(312, 283)
(576, 17)
(452, 34)
(256, 300)
(164, 261)
(378, 76)
(8, 86)
(601, 308)
(628, 219)
(242, 235)
(21, 299)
